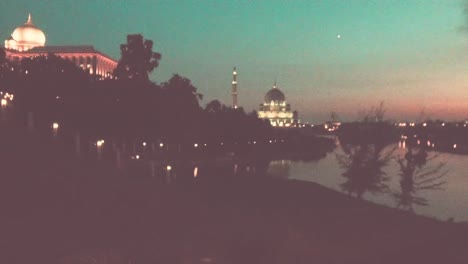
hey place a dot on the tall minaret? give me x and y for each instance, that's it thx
(234, 88)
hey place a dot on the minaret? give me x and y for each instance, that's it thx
(234, 88)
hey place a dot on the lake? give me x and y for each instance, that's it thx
(448, 199)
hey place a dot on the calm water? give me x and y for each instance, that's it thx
(448, 200)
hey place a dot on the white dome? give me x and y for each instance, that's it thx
(28, 36)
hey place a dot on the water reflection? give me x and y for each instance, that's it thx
(279, 168)
(418, 173)
(363, 166)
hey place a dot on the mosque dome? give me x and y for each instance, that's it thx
(28, 36)
(275, 95)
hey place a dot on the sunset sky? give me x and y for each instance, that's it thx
(326, 56)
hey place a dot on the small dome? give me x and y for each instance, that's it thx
(28, 35)
(274, 95)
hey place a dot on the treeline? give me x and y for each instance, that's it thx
(130, 106)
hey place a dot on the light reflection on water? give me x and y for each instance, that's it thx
(449, 202)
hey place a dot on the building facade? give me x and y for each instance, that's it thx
(28, 41)
(276, 110)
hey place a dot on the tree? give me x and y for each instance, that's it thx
(181, 92)
(213, 107)
(374, 114)
(137, 59)
(49, 84)
(4, 67)
(417, 175)
(2, 56)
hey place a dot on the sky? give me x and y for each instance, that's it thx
(340, 56)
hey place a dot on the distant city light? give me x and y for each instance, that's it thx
(4, 102)
(424, 124)
(137, 156)
(161, 145)
(195, 172)
(55, 126)
(144, 144)
(100, 143)
(195, 145)
(168, 168)
(454, 146)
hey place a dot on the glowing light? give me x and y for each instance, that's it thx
(55, 126)
(255, 142)
(144, 144)
(443, 124)
(168, 168)
(100, 143)
(137, 157)
(195, 145)
(428, 143)
(4, 102)
(205, 144)
(338, 36)
(271, 141)
(195, 172)
(424, 124)
(161, 145)
(454, 146)
(234, 72)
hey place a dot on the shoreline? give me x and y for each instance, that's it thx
(76, 208)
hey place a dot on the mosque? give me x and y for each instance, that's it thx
(275, 109)
(28, 41)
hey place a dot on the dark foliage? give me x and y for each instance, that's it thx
(137, 59)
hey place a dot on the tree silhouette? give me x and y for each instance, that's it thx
(363, 166)
(5, 69)
(137, 59)
(417, 175)
(180, 102)
(2, 56)
(47, 84)
(214, 107)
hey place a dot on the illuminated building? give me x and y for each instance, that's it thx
(277, 110)
(28, 41)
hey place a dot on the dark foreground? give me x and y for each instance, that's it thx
(56, 209)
